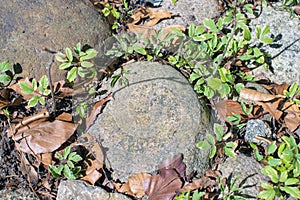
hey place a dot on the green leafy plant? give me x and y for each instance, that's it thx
(77, 65)
(283, 168)
(195, 195)
(293, 93)
(211, 142)
(229, 191)
(4, 76)
(68, 160)
(236, 118)
(40, 89)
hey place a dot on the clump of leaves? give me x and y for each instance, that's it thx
(293, 93)
(237, 118)
(196, 195)
(68, 160)
(229, 190)
(283, 168)
(78, 64)
(4, 77)
(37, 89)
(211, 143)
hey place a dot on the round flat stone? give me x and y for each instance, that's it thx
(157, 116)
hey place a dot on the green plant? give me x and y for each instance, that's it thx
(195, 195)
(293, 94)
(236, 118)
(229, 191)
(77, 65)
(211, 143)
(4, 73)
(39, 89)
(68, 160)
(283, 168)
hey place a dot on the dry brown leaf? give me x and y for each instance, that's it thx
(277, 89)
(42, 136)
(227, 108)
(256, 96)
(96, 110)
(45, 158)
(176, 163)
(134, 185)
(199, 184)
(162, 186)
(271, 107)
(92, 173)
(292, 119)
(28, 170)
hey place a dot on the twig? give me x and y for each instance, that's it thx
(50, 79)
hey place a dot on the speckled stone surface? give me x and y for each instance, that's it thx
(243, 166)
(189, 11)
(26, 26)
(157, 116)
(257, 128)
(19, 194)
(286, 55)
(79, 190)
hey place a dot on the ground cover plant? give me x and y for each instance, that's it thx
(216, 57)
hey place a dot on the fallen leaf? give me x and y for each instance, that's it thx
(200, 183)
(96, 110)
(163, 186)
(134, 185)
(292, 118)
(41, 136)
(256, 96)
(227, 108)
(176, 163)
(92, 173)
(277, 89)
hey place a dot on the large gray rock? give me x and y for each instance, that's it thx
(26, 26)
(285, 51)
(248, 171)
(79, 190)
(157, 116)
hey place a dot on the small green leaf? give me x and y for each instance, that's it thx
(56, 172)
(229, 152)
(272, 148)
(69, 54)
(72, 74)
(70, 163)
(68, 173)
(204, 145)
(65, 65)
(76, 158)
(42, 100)
(265, 30)
(4, 78)
(191, 30)
(210, 24)
(66, 152)
(59, 156)
(44, 81)
(4, 66)
(26, 88)
(293, 191)
(210, 139)
(271, 172)
(139, 49)
(89, 54)
(199, 30)
(86, 64)
(77, 48)
(214, 83)
(266, 40)
(247, 34)
(219, 131)
(258, 32)
(61, 57)
(33, 101)
(212, 151)
(267, 194)
(283, 176)
(292, 181)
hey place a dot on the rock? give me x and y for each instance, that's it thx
(79, 190)
(26, 26)
(188, 11)
(257, 128)
(248, 171)
(157, 116)
(21, 193)
(285, 51)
